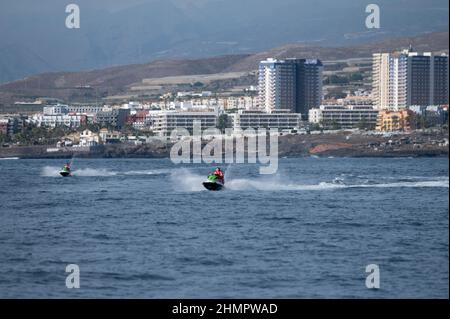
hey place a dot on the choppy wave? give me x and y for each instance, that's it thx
(189, 181)
(53, 171)
(245, 184)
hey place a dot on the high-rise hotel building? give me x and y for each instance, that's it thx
(291, 84)
(408, 78)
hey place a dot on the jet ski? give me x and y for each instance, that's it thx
(213, 183)
(65, 171)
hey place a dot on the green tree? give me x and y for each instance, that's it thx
(198, 84)
(3, 138)
(356, 77)
(335, 125)
(93, 127)
(364, 125)
(336, 79)
(223, 122)
(128, 129)
(315, 127)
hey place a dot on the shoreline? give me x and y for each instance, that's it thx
(340, 144)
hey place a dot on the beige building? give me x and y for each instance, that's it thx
(394, 120)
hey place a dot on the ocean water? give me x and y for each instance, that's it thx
(146, 228)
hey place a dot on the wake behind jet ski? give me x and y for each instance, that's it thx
(215, 181)
(65, 171)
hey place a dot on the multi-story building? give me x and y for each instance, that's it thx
(408, 78)
(115, 117)
(308, 84)
(394, 120)
(389, 77)
(4, 126)
(282, 120)
(57, 120)
(439, 80)
(277, 85)
(55, 109)
(291, 84)
(344, 117)
(139, 120)
(167, 121)
(15, 125)
(84, 109)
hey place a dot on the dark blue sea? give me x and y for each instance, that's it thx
(146, 228)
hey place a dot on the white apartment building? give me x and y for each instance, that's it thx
(276, 83)
(345, 117)
(165, 122)
(57, 120)
(282, 120)
(84, 109)
(88, 138)
(55, 109)
(356, 100)
(224, 103)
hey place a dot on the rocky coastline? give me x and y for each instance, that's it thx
(341, 144)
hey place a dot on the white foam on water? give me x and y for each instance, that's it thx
(271, 185)
(277, 184)
(148, 172)
(249, 184)
(50, 171)
(430, 183)
(9, 158)
(187, 181)
(53, 171)
(91, 172)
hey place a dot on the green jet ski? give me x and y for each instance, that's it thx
(65, 171)
(214, 183)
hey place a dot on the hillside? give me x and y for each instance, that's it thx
(123, 80)
(426, 42)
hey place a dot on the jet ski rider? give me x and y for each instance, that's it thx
(219, 174)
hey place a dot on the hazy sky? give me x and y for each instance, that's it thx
(34, 38)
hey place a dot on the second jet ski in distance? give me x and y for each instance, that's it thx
(66, 171)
